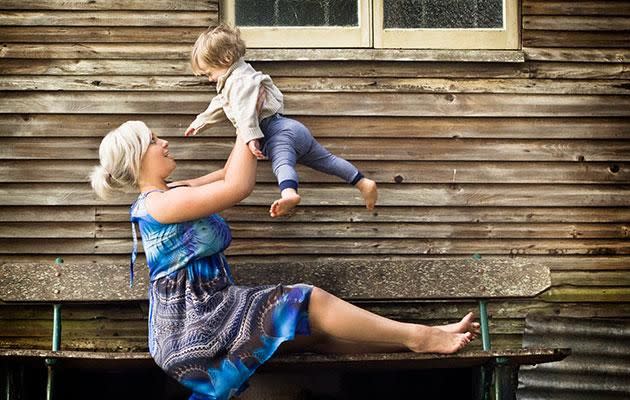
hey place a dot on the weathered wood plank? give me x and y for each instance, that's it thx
(314, 69)
(108, 18)
(356, 230)
(335, 104)
(331, 85)
(528, 195)
(95, 67)
(468, 214)
(535, 38)
(129, 51)
(382, 247)
(577, 55)
(381, 171)
(406, 360)
(581, 7)
(84, 34)
(560, 70)
(588, 294)
(136, 344)
(425, 279)
(506, 315)
(47, 214)
(591, 278)
(555, 262)
(372, 54)
(50, 246)
(160, 5)
(576, 23)
(99, 51)
(86, 343)
(541, 70)
(87, 125)
(456, 149)
(77, 312)
(77, 329)
(107, 214)
(44, 230)
(240, 230)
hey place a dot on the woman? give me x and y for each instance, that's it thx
(204, 330)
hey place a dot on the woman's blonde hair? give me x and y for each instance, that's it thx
(218, 46)
(120, 154)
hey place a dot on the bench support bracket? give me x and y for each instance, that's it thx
(56, 344)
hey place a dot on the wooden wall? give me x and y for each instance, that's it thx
(523, 159)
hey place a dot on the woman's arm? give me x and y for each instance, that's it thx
(187, 203)
(220, 174)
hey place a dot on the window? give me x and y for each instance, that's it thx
(301, 23)
(412, 24)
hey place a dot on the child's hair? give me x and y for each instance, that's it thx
(218, 46)
(120, 154)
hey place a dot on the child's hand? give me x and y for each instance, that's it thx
(254, 147)
(190, 131)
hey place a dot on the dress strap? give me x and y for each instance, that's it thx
(151, 191)
(134, 252)
(134, 249)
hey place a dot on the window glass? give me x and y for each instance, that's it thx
(453, 14)
(296, 12)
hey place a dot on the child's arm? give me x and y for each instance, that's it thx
(213, 114)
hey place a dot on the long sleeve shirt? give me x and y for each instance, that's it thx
(237, 94)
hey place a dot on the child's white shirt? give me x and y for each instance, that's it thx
(237, 95)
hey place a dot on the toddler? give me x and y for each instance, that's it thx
(218, 54)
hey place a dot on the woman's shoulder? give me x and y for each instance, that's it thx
(138, 209)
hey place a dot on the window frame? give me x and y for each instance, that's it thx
(506, 38)
(308, 36)
(371, 35)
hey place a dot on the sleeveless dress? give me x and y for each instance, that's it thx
(204, 330)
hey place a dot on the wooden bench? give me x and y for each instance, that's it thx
(426, 280)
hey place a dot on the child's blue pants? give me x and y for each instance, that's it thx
(288, 142)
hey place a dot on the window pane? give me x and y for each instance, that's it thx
(297, 12)
(456, 14)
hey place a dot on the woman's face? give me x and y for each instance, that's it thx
(157, 160)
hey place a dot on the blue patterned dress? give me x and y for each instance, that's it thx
(205, 331)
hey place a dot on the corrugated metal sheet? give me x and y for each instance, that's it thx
(598, 367)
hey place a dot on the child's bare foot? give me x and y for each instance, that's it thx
(368, 191)
(428, 339)
(465, 325)
(286, 203)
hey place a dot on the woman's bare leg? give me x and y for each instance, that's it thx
(346, 323)
(318, 342)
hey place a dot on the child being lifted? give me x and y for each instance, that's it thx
(218, 54)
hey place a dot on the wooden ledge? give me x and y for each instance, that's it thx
(504, 56)
(374, 361)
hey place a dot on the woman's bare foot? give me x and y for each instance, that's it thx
(286, 203)
(465, 325)
(368, 190)
(428, 339)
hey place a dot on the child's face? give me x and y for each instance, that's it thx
(213, 73)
